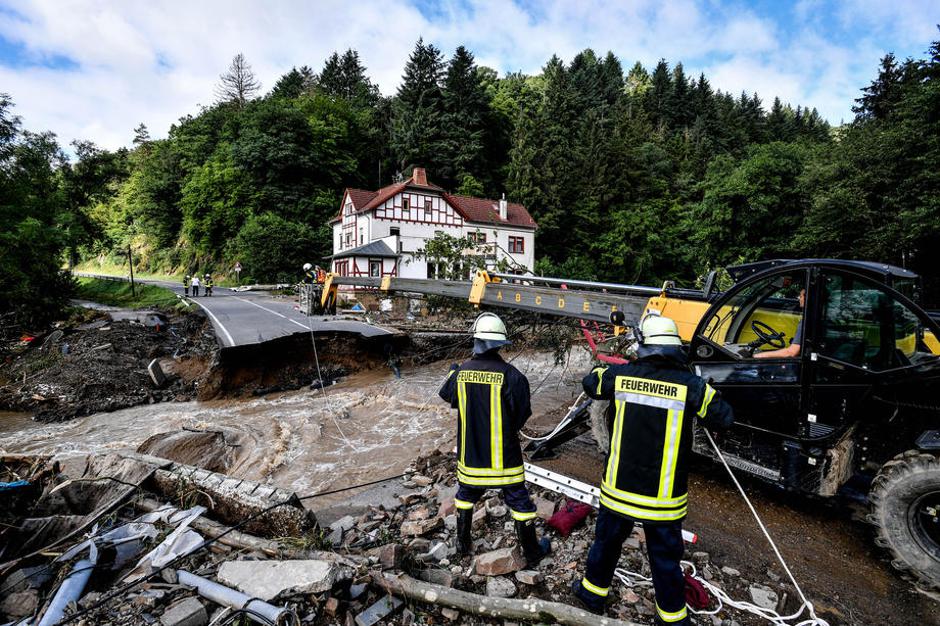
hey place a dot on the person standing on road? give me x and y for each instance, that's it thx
(492, 402)
(655, 400)
(186, 280)
(195, 285)
(207, 282)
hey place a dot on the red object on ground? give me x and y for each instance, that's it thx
(571, 515)
(695, 594)
(26, 338)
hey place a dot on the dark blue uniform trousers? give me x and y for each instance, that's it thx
(665, 549)
(516, 497)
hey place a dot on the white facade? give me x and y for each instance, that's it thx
(406, 220)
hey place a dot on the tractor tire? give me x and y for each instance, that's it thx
(905, 505)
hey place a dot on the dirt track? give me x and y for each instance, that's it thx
(832, 556)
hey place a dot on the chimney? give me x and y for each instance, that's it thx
(419, 177)
(503, 208)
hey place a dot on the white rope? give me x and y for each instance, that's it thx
(632, 578)
(558, 427)
(329, 405)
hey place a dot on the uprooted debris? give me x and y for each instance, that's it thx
(106, 364)
(170, 545)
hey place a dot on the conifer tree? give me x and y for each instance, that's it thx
(418, 110)
(466, 115)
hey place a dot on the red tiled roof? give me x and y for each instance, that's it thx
(487, 211)
(476, 210)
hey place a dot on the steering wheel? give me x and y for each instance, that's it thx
(767, 335)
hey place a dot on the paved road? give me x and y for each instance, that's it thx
(252, 317)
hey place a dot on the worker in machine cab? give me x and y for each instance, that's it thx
(492, 402)
(310, 276)
(654, 401)
(186, 280)
(194, 283)
(793, 350)
(208, 283)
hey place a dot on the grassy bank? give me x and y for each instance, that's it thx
(100, 266)
(118, 293)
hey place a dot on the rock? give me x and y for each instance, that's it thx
(528, 577)
(357, 590)
(450, 614)
(544, 507)
(773, 576)
(497, 587)
(268, 579)
(186, 612)
(763, 597)
(450, 522)
(438, 551)
(629, 596)
(479, 516)
(149, 599)
(421, 481)
(344, 523)
(633, 543)
(700, 558)
(407, 618)
(420, 513)
(447, 509)
(331, 606)
(389, 555)
(730, 571)
(20, 604)
(496, 510)
(415, 528)
(498, 562)
(27, 578)
(437, 576)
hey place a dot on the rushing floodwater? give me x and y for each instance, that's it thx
(369, 426)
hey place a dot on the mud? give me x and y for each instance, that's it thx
(101, 365)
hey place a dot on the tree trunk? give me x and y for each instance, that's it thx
(530, 609)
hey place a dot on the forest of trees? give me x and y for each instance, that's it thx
(634, 175)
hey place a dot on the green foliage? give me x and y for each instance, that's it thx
(446, 253)
(119, 293)
(273, 248)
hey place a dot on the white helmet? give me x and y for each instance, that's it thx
(657, 330)
(307, 267)
(489, 332)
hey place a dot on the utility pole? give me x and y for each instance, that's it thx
(130, 264)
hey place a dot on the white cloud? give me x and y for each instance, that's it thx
(155, 61)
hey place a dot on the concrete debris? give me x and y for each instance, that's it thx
(378, 611)
(414, 528)
(20, 604)
(529, 577)
(763, 597)
(269, 579)
(500, 587)
(188, 612)
(499, 562)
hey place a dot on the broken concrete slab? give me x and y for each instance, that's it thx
(528, 577)
(188, 612)
(378, 611)
(390, 555)
(498, 562)
(544, 508)
(763, 597)
(157, 374)
(267, 580)
(415, 528)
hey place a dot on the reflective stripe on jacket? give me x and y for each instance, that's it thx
(492, 402)
(654, 403)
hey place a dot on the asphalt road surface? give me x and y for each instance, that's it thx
(243, 318)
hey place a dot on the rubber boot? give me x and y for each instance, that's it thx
(532, 549)
(593, 603)
(464, 528)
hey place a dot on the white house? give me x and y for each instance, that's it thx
(377, 233)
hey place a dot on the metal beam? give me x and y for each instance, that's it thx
(586, 284)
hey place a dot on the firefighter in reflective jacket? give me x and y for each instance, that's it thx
(654, 401)
(492, 402)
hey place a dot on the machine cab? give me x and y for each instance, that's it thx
(800, 349)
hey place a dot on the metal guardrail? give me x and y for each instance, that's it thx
(124, 279)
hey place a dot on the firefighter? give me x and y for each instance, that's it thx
(310, 276)
(492, 402)
(208, 283)
(194, 283)
(654, 401)
(186, 280)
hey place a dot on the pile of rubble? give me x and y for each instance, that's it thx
(106, 364)
(161, 543)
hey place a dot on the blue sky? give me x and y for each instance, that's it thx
(95, 69)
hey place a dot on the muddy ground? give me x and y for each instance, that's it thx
(96, 364)
(832, 555)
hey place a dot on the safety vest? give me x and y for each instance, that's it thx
(492, 402)
(653, 405)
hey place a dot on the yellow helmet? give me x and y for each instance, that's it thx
(657, 330)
